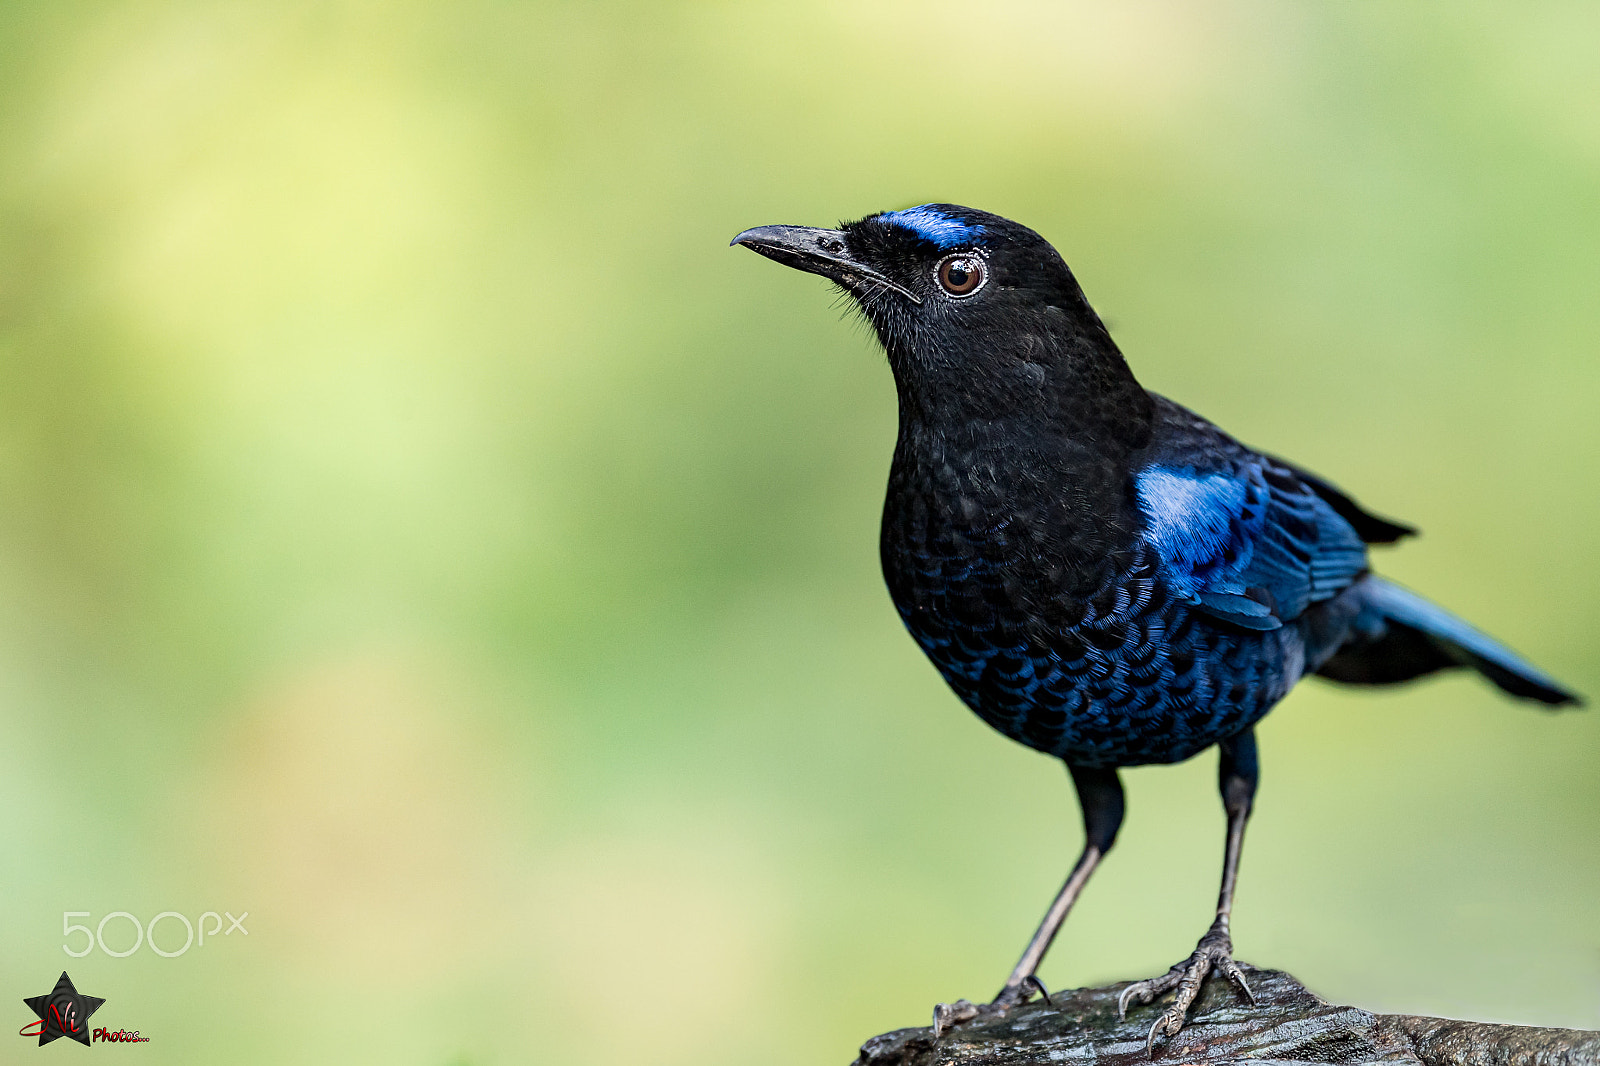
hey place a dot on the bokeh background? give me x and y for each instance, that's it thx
(419, 530)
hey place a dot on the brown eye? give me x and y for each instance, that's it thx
(961, 275)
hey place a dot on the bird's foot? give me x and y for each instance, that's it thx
(1214, 952)
(947, 1016)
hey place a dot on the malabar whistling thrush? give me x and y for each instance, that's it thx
(1100, 573)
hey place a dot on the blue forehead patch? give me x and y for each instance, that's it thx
(934, 225)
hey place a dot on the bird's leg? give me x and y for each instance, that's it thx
(1100, 796)
(1237, 777)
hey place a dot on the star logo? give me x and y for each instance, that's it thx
(62, 1012)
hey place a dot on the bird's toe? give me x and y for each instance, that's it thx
(1168, 1024)
(1141, 992)
(947, 1015)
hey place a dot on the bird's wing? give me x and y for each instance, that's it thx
(1372, 528)
(1242, 536)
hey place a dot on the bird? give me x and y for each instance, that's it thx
(1098, 572)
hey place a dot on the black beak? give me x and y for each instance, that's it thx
(818, 251)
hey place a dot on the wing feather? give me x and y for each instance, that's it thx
(1247, 542)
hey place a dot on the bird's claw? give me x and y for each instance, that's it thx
(948, 1015)
(1214, 952)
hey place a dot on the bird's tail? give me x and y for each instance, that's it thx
(1398, 635)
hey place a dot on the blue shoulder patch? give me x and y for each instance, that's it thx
(1250, 545)
(934, 225)
(1203, 525)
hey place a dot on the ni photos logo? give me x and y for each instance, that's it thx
(64, 1011)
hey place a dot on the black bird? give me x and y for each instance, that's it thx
(1098, 572)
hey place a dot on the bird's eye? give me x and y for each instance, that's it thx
(961, 275)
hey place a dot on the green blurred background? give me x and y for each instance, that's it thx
(419, 530)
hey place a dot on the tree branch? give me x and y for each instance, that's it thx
(1288, 1027)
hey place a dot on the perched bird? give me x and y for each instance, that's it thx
(1098, 572)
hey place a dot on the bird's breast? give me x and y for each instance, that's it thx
(980, 545)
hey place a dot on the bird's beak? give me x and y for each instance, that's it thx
(818, 251)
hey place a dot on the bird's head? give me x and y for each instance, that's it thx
(978, 314)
